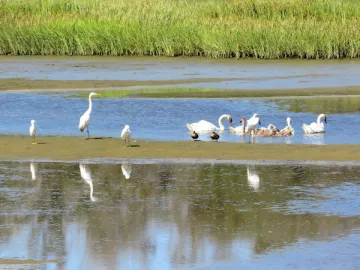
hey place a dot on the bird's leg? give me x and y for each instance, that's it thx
(88, 132)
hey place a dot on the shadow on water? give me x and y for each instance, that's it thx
(176, 215)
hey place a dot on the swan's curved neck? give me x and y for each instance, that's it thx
(221, 126)
(319, 119)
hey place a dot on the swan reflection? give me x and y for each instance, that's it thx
(253, 178)
(314, 139)
(126, 170)
(33, 168)
(86, 176)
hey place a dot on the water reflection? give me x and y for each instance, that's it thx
(126, 170)
(253, 178)
(175, 215)
(314, 139)
(33, 168)
(86, 176)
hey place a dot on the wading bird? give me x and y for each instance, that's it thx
(204, 126)
(32, 130)
(317, 127)
(85, 118)
(126, 135)
(214, 136)
(252, 122)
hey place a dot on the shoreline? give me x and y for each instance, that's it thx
(79, 148)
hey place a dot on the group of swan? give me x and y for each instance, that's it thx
(249, 127)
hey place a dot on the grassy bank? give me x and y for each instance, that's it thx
(211, 28)
(73, 148)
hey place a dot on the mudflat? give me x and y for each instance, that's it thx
(73, 148)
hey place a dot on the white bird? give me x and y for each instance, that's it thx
(317, 127)
(242, 130)
(206, 126)
(252, 122)
(32, 130)
(86, 176)
(253, 179)
(126, 170)
(33, 170)
(126, 135)
(85, 118)
(288, 130)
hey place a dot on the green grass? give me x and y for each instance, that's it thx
(219, 93)
(267, 29)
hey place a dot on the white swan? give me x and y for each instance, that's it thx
(204, 125)
(126, 170)
(85, 118)
(252, 122)
(86, 176)
(253, 179)
(317, 127)
(288, 130)
(242, 130)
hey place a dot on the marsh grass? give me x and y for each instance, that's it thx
(178, 92)
(211, 28)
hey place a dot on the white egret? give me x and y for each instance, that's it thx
(317, 127)
(126, 170)
(85, 118)
(32, 130)
(252, 122)
(126, 135)
(86, 176)
(206, 126)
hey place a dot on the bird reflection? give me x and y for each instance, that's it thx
(126, 170)
(86, 176)
(33, 170)
(253, 178)
(314, 139)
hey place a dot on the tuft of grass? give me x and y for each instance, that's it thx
(269, 29)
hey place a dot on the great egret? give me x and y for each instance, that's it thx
(126, 170)
(32, 130)
(194, 135)
(214, 136)
(288, 130)
(85, 118)
(86, 176)
(252, 122)
(317, 127)
(204, 126)
(126, 135)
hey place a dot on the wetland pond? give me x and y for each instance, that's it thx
(165, 119)
(132, 215)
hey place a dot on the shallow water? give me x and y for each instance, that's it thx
(254, 74)
(165, 119)
(178, 216)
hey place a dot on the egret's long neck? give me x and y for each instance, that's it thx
(220, 121)
(90, 105)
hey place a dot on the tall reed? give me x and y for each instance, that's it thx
(212, 28)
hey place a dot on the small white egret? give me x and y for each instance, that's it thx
(32, 130)
(317, 127)
(85, 118)
(206, 126)
(126, 170)
(86, 176)
(126, 135)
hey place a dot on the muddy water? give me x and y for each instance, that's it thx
(253, 74)
(178, 216)
(165, 119)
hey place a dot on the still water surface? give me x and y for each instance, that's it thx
(178, 216)
(165, 119)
